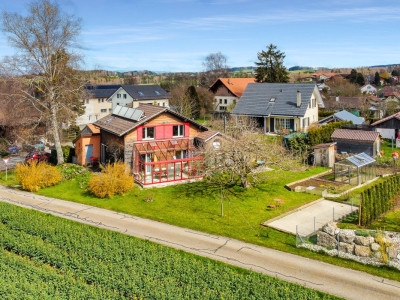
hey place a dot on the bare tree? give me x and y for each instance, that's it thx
(215, 62)
(243, 153)
(183, 102)
(46, 63)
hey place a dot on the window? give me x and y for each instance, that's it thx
(223, 108)
(178, 131)
(118, 95)
(282, 123)
(306, 122)
(148, 133)
(98, 100)
(225, 101)
(103, 110)
(157, 93)
(163, 104)
(117, 103)
(87, 101)
(89, 117)
(124, 96)
(216, 144)
(140, 93)
(220, 101)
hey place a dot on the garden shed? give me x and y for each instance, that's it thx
(356, 169)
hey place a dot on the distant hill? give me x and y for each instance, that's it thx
(297, 68)
(384, 66)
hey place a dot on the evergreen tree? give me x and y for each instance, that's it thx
(270, 66)
(360, 79)
(377, 79)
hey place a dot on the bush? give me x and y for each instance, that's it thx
(323, 134)
(113, 180)
(35, 176)
(70, 171)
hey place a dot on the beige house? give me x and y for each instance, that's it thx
(280, 107)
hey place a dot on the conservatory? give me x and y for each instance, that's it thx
(170, 160)
(356, 169)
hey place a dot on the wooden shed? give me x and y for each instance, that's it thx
(356, 141)
(324, 155)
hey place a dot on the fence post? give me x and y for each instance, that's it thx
(314, 224)
(333, 214)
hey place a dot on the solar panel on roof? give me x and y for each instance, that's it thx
(128, 113)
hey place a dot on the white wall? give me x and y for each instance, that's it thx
(123, 99)
(220, 107)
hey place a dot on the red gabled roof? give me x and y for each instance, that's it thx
(235, 85)
(394, 116)
(94, 129)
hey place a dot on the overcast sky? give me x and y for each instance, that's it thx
(176, 35)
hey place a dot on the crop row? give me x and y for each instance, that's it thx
(49, 256)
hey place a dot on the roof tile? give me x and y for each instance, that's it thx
(354, 135)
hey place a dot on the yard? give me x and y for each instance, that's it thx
(197, 206)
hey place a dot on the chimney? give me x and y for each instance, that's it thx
(229, 81)
(298, 98)
(337, 98)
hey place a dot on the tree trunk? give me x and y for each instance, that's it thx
(56, 136)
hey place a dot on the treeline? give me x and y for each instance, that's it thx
(378, 199)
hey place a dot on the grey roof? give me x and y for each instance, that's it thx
(256, 98)
(145, 92)
(347, 116)
(137, 92)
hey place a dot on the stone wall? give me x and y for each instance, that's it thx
(366, 246)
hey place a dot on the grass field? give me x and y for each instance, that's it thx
(197, 206)
(45, 257)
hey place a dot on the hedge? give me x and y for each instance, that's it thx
(379, 199)
(323, 134)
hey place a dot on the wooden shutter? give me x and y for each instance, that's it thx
(139, 131)
(159, 132)
(168, 131)
(187, 129)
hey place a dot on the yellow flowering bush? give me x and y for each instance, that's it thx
(113, 180)
(35, 176)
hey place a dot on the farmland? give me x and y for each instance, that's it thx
(42, 256)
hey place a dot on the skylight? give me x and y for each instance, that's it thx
(157, 92)
(272, 99)
(140, 93)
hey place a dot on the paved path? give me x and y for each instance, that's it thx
(318, 275)
(323, 210)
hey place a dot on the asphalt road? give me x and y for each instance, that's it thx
(13, 160)
(314, 274)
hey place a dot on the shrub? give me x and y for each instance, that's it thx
(35, 176)
(70, 171)
(113, 180)
(323, 134)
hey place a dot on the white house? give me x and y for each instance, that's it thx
(369, 89)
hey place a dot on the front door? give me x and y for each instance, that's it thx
(89, 152)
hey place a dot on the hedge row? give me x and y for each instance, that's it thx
(379, 199)
(45, 257)
(323, 134)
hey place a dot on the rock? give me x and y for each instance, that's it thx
(326, 240)
(393, 252)
(362, 251)
(375, 247)
(378, 255)
(362, 241)
(347, 237)
(299, 189)
(346, 248)
(330, 228)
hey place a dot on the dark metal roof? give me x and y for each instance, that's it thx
(256, 99)
(137, 92)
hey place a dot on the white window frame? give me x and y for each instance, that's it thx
(181, 131)
(282, 123)
(103, 110)
(145, 133)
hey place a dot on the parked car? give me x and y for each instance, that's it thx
(13, 149)
(37, 156)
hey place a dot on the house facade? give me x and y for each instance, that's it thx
(158, 144)
(280, 106)
(369, 89)
(102, 99)
(227, 92)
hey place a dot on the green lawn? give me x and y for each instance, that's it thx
(197, 206)
(46, 257)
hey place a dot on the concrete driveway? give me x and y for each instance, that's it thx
(314, 274)
(322, 210)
